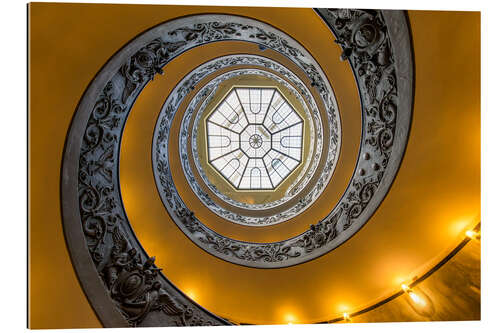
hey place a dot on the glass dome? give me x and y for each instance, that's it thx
(254, 138)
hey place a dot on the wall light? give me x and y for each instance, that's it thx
(290, 319)
(419, 301)
(414, 297)
(472, 234)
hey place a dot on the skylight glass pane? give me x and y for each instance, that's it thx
(254, 138)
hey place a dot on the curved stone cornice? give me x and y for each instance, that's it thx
(160, 147)
(313, 119)
(120, 279)
(387, 103)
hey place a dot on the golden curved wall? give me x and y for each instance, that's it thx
(436, 194)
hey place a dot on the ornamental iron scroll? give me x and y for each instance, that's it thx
(132, 280)
(120, 280)
(385, 84)
(163, 177)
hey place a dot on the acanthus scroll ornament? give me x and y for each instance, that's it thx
(134, 283)
(145, 64)
(365, 40)
(92, 209)
(363, 37)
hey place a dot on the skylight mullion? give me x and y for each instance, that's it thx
(282, 153)
(290, 126)
(215, 159)
(268, 107)
(222, 126)
(243, 173)
(267, 172)
(242, 108)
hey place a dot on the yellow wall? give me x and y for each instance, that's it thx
(438, 183)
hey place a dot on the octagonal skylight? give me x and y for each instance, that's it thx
(254, 138)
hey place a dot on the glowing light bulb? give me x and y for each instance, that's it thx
(347, 317)
(290, 319)
(471, 234)
(405, 287)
